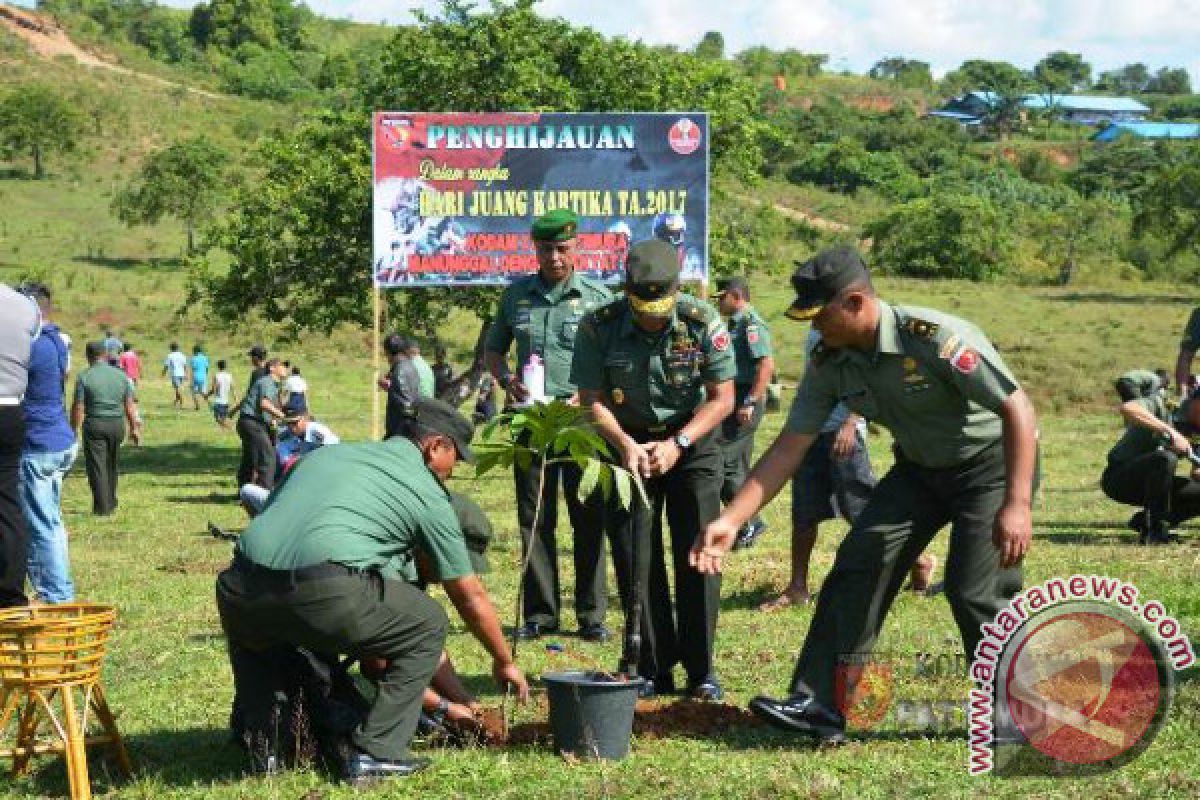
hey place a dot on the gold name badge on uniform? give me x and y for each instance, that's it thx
(618, 396)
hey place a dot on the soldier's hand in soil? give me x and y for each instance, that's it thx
(509, 674)
(716, 540)
(1012, 532)
(462, 715)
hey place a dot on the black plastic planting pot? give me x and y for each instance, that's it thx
(591, 714)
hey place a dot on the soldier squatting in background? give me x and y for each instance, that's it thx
(1142, 464)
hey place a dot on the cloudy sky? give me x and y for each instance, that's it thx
(856, 33)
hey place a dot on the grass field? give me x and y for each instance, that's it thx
(168, 678)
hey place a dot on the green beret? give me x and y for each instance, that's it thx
(476, 527)
(558, 225)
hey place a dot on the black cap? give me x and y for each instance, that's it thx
(652, 276)
(476, 528)
(435, 416)
(818, 280)
(258, 351)
(735, 282)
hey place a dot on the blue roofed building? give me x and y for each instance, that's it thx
(1149, 130)
(1083, 109)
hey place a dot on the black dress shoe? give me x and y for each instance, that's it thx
(655, 687)
(802, 713)
(707, 691)
(534, 630)
(749, 534)
(595, 632)
(1158, 531)
(362, 769)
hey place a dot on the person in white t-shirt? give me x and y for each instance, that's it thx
(176, 366)
(221, 394)
(297, 393)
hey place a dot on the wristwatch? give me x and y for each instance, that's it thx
(682, 441)
(439, 713)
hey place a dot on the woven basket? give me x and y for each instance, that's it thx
(53, 644)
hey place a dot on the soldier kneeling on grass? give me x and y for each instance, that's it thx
(330, 566)
(1142, 465)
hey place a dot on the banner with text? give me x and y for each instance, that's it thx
(455, 193)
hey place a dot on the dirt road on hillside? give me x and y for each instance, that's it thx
(49, 41)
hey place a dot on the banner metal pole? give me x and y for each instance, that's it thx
(377, 346)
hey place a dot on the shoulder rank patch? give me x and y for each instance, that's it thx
(696, 312)
(921, 327)
(949, 346)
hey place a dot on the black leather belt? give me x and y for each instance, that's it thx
(663, 431)
(314, 572)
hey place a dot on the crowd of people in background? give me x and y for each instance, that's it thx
(56, 409)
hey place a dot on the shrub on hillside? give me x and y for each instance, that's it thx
(944, 236)
(750, 238)
(1121, 167)
(260, 73)
(847, 166)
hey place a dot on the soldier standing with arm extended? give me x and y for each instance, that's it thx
(655, 368)
(541, 313)
(965, 450)
(752, 352)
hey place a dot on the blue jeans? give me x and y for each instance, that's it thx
(41, 502)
